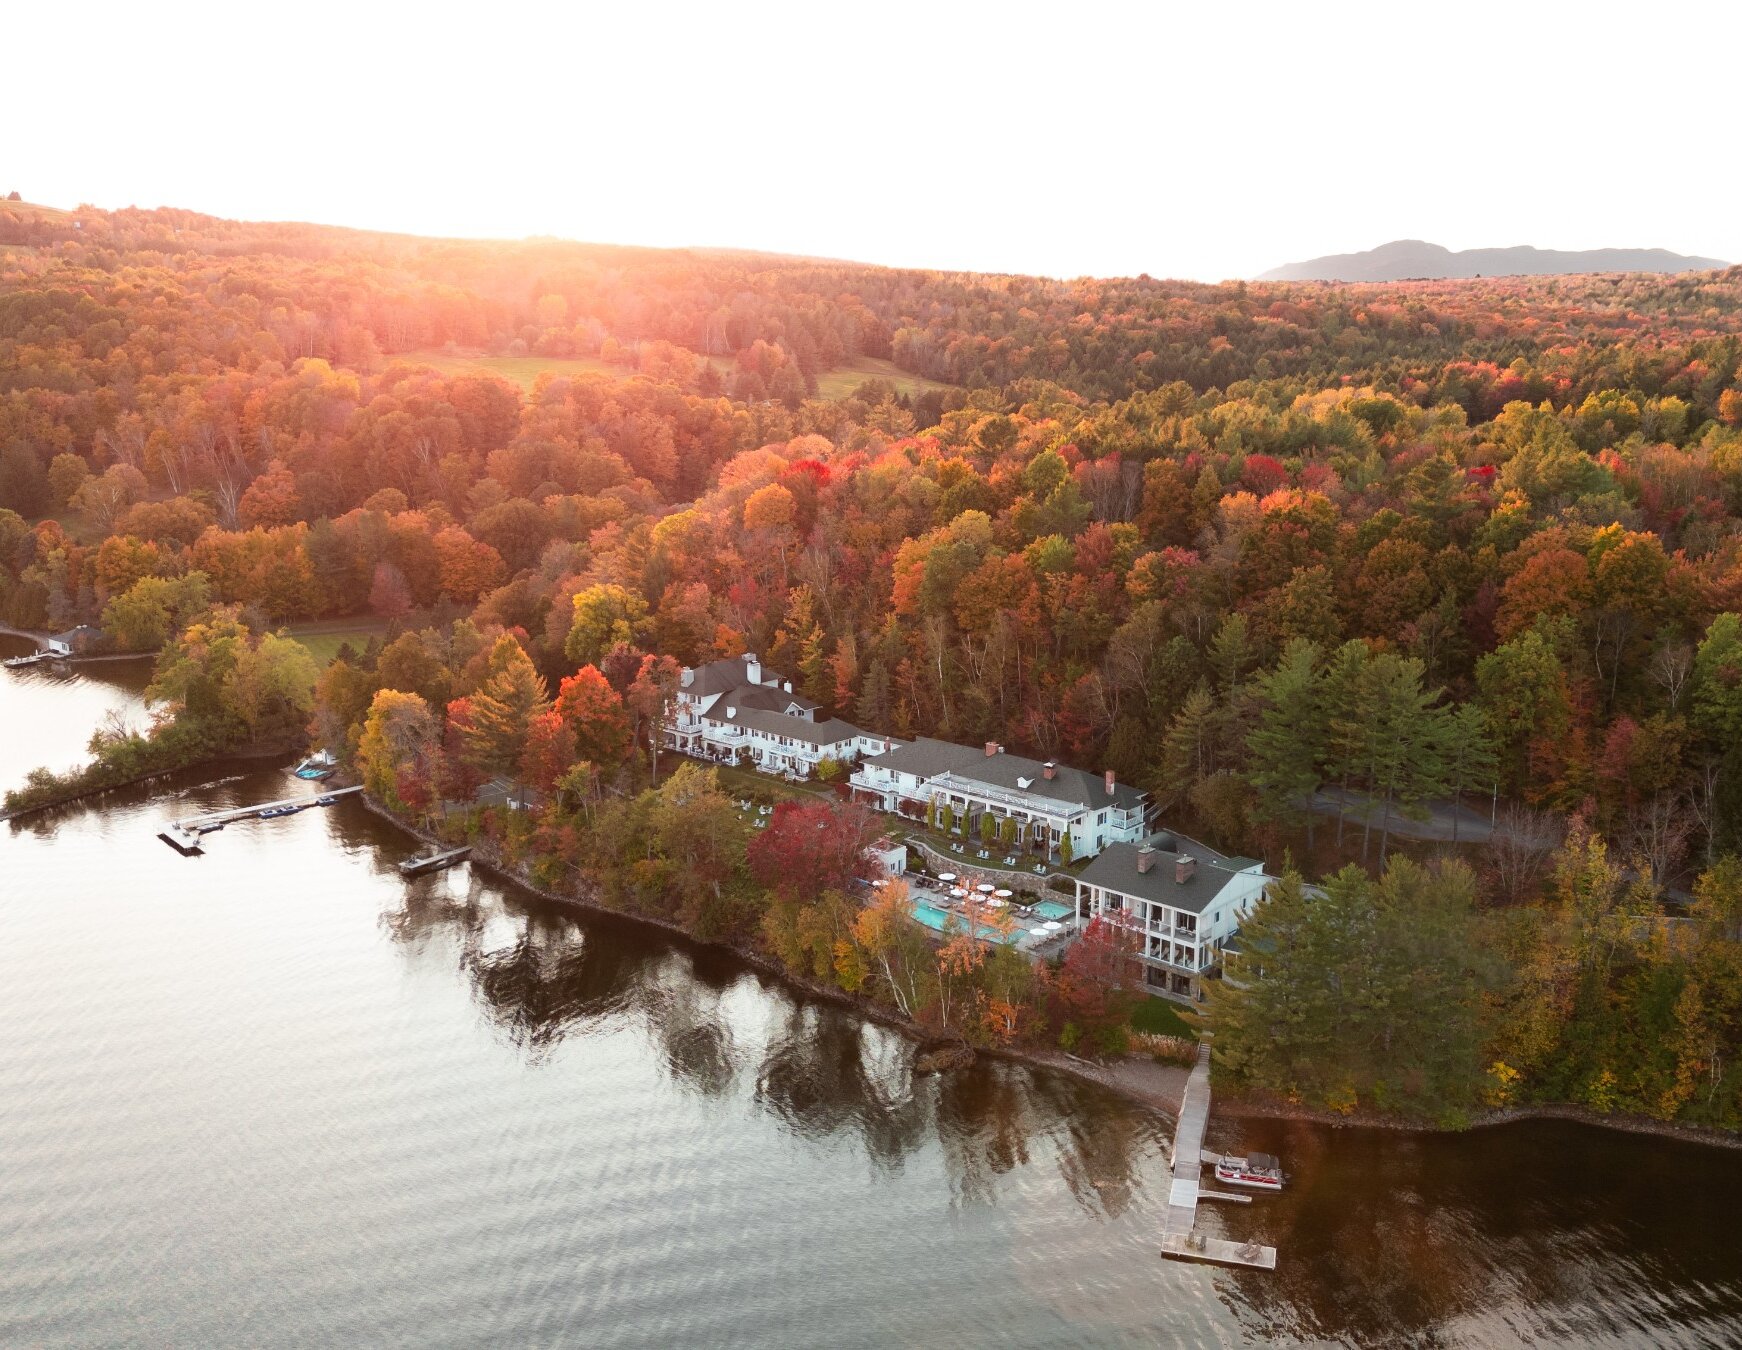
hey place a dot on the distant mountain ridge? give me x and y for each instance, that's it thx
(1403, 259)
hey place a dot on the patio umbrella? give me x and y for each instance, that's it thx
(995, 902)
(958, 890)
(1038, 932)
(1052, 926)
(946, 876)
(985, 888)
(1003, 895)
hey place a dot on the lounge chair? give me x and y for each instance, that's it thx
(1010, 861)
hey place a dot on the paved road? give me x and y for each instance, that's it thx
(1472, 826)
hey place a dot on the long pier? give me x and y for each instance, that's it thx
(1179, 1238)
(184, 835)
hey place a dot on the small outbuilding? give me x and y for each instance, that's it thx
(888, 856)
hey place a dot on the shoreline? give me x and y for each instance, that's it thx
(87, 794)
(1140, 1081)
(1246, 1107)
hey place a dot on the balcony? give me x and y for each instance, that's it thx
(1031, 800)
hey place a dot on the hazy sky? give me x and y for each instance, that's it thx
(1205, 140)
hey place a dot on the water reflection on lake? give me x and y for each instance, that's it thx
(48, 711)
(281, 1095)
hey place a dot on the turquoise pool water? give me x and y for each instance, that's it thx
(942, 921)
(1052, 909)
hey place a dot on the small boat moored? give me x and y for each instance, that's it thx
(317, 766)
(1261, 1171)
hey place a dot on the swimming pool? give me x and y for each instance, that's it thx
(942, 921)
(1052, 909)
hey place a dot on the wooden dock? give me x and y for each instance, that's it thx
(434, 862)
(185, 835)
(1179, 1238)
(35, 658)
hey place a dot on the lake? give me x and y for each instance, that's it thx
(278, 1095)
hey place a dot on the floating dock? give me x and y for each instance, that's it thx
(434, 862)
(35, 658)
(1179, 1238)
(184, 836)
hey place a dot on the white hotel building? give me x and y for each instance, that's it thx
(735, 709)
(1045, 799)
(1184, 906)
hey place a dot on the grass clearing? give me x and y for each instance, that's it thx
(324, 638)
(520, 370)
(525, 370)
(843, 380)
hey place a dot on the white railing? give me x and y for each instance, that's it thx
(1027, 801)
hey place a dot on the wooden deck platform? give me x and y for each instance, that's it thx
(35, 658)
(1179, 1238)
(434, 862)
(185, 835)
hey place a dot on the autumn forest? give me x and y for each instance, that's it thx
(1258, 548)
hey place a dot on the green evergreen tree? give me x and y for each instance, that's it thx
(502, 710)
(1289, 744)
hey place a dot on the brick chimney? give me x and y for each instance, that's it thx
(991, 749)
(1145, 858)
(1050, 772)
(1109, 776)
(1183, 868)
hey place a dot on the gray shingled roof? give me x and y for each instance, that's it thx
(779, 724)
(719, 677)
(1115, 868)
(929, 758)
(924, 757)
(769, 700)
(1067, 785)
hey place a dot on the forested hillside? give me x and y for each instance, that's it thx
(1236, 543)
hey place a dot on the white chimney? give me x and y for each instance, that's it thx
(752, 668)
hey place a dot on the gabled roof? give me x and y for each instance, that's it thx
(1115, 869)
(929, 758)
(719, 677)
(1067, 784)
(768, 699)
(924, 757)
(829, 732)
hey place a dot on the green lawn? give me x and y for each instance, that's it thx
(843, 380)
(324, 637)
(1160, 1018)
(520, 370)
(738, 781)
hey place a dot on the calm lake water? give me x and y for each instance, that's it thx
(278, 1095)
(48, 712)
